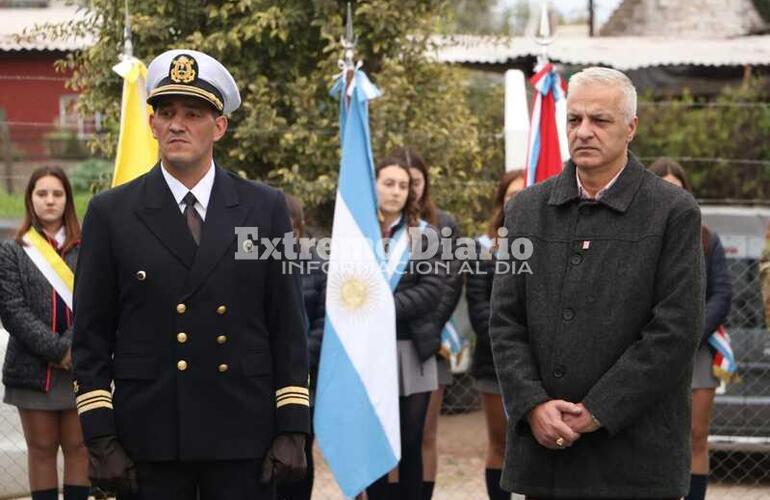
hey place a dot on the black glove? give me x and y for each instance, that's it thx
(285, 461)
(109, 467)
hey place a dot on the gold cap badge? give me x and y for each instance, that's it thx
(184, 69)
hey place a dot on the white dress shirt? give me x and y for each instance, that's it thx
(201, 191)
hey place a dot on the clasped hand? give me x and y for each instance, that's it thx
(557, 424)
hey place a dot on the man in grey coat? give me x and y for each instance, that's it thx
(594, 347)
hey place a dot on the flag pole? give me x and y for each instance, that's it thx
(128, 45)
(543, 35)
(547, 146)
(137, 150)
(348, 42)
(356, 415)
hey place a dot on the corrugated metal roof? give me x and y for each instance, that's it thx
(623, 53)
(16, 20)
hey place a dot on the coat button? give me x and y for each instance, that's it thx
(181, 365)
(559, 371)
(221, 310)
(181, 308)
(221, 339)
(576, 259)
(141, 275)
(181, 337)
(223, 368)
(568, 314)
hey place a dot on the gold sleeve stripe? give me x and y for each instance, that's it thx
(92, 394)
(291, 395)
(94, 406)
(292, 401)
(292, 388)
(94, 400)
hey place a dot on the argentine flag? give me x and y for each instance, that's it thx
(356, 403)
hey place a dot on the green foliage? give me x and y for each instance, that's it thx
(12, 205)
(486, 17)
(486, 97)
(284, 56)
(91, 176)
(735, 125)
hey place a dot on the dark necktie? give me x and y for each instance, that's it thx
(194, 221)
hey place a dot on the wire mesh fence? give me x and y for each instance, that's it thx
(740, 427)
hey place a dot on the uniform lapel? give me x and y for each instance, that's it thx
(223, 214)
(163, 218)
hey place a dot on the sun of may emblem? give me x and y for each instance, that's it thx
(353, 293)
(183, 69)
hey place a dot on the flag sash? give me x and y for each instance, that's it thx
(451, 340)
(50, 264)
(399, 254)
(724, 366)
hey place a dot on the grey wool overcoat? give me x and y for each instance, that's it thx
(610, 315)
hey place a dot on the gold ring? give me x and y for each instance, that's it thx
(560, 442)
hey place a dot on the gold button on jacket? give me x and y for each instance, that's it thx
(221, 339)
(221, 309)
(181, 308)
(181, 365)
(223, 368)
(181, 337)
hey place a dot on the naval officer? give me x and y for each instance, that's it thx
(190, 364)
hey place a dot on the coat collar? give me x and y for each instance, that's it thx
(161, 214)
(618, 197)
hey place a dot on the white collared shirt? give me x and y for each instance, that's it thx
(201, 191)
(395, 222)
(60, 237)
(582, 192)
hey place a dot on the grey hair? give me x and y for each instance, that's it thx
(612, 77)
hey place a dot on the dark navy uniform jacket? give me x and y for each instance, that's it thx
(207, 352)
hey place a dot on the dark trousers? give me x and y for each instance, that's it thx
(412, 410)
(215, 480)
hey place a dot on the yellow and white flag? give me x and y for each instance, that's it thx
(137, 148)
